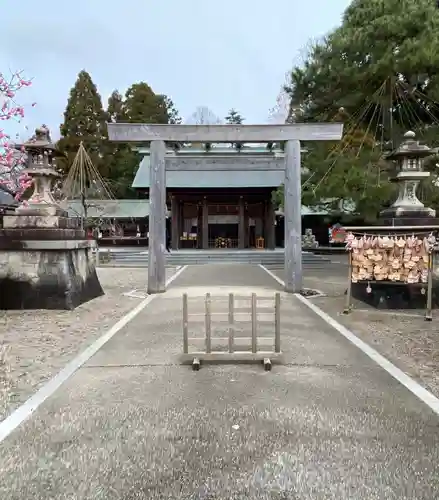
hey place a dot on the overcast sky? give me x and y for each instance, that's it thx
(232, 53)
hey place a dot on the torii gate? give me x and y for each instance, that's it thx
(157, 135)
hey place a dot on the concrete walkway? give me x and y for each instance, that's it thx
(134, 424)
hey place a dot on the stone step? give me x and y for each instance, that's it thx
(271, 258)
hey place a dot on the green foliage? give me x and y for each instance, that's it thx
(115, 108)
(142, 105)
(378, 40)
(121, 161)
(173, 115)
(337, 175)
(84, 120)
(381, 66)
(234, 118)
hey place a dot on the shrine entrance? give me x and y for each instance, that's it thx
(290, 163)
(220, 218)
(223, 228)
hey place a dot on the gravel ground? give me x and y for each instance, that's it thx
(403, 337)
(35, 345)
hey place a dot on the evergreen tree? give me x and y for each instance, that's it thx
(173, 117)
(380, 65)
(142, 105)
(84, 120)
(115, 108)
(351, 171)
(379, 41)
(234, 118)
(120, 160)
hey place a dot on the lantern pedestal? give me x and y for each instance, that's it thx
(46, 269)
(46, 260)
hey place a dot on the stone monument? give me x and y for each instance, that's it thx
(46, 259)
(309, 240)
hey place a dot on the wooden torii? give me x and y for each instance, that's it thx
(158, 135)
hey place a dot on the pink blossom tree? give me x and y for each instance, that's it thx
(12, 178)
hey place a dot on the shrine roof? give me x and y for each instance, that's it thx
(108, 209)
(270, 172)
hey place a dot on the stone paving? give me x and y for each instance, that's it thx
(134, 424)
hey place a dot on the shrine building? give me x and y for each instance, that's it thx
(210, 206)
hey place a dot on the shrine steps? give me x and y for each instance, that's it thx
(272, 258)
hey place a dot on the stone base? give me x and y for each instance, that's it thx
(37, 221)
(48, 275)
(412, 220)
(395, 296)
(402, 213)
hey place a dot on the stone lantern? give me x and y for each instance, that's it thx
(46, 260)
(409, 158)
(41, 168)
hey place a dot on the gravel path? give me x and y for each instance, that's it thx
(403, 337)
(35, 345)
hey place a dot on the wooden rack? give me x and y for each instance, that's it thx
(253, 354)
(426, 287)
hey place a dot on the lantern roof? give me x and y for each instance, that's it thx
(40, 142)
(410, 148)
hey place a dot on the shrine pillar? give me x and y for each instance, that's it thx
(241, 224)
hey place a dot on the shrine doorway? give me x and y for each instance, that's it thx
(223, 231)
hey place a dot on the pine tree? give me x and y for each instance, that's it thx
(378, 41)
(84, 120)
(351, 171)
(380, 65)
(234, 118)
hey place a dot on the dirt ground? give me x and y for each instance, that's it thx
(35, 345)
(403, 336)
